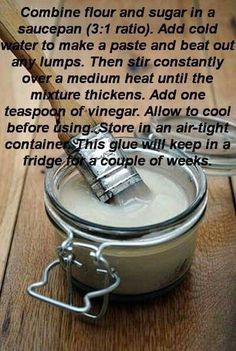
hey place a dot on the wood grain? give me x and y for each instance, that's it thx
(12, 173)
(199, 315)
(233, 185)
(146, 88)
(224, 86)
(10, 21)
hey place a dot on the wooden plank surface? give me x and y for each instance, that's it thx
(224, 85)
(199, 315)
(12, 173)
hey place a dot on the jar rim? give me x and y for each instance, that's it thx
(126, 232)
(220, 163)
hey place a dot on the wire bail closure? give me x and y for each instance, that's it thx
(67, 258)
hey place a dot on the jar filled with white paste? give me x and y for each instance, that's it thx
(136, 250)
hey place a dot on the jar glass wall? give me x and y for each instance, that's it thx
(147, 258)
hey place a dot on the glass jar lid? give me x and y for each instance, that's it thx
(212, 138)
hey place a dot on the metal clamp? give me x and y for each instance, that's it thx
(66, 257)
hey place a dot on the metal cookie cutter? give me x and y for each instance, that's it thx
(105, 181)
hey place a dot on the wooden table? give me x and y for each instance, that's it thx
(198, 315)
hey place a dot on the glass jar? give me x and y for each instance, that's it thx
(221, 159)
(129, 262)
